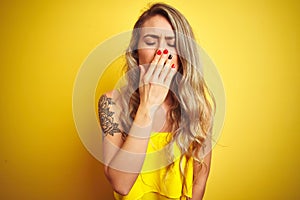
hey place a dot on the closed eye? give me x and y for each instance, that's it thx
(171, 44)
(150, 43)
(151, 40)
(171, 41)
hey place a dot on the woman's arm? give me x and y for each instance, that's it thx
(124, 159)
(202, 172)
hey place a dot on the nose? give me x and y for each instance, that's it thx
(162, 44)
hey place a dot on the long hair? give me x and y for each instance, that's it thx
(192, 110)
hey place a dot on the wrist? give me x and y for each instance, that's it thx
(148, 109)
(143, 116)
(142, 124)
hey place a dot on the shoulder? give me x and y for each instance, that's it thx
(109, 97)
(109, 100)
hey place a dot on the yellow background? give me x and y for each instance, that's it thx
(254, 44)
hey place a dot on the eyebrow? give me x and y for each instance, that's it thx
(157, 37)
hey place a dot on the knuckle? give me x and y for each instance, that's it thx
(158, 68)
(145, 79)
(151, 80)
(155, 60)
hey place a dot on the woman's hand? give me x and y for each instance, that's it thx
(155, 82)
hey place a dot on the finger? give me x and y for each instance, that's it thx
(161, 63)
(142, 73)
(166, 68)
(170, 75)
(153, 64)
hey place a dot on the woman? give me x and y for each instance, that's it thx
(156, 127)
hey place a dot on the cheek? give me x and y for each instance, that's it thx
(146, 56)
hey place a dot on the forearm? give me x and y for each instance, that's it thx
(127, 162)
(201, 173)
(198, 191)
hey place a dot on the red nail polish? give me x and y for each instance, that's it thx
(173, 66)
(166, 51)
(158, 52)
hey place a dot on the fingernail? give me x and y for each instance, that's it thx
(166, 51)
(173, 66)
(170, 57)
(158, 52)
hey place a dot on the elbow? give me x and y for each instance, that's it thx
(122, 190)
(120, 184)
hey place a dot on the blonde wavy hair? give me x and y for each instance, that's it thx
(192, 110)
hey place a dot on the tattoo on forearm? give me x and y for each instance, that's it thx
(106, 116)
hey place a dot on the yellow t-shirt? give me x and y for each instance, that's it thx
(157, 180)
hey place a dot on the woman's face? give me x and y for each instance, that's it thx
(156, 33)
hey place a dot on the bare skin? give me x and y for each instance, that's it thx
(124, 159)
